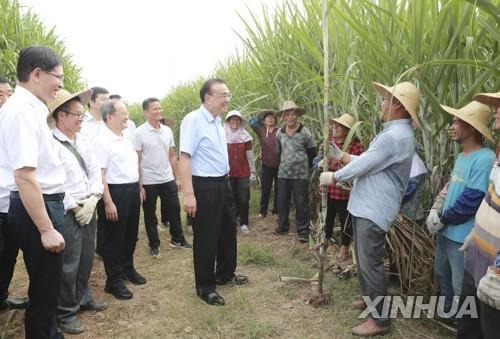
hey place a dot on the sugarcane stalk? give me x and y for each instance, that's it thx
(324, 191)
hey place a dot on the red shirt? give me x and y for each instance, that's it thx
(238, 162)
(355, 148)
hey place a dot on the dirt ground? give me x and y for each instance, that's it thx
(167, 306)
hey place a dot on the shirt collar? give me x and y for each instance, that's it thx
(392, 123)
(30, 98)
(151, 127)
(208, 116)
(60, 135)
(111, 134)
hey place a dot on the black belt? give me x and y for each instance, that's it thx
(46, 197)
(210, 179)
(130, 185)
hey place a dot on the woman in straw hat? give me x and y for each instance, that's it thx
(265, 125)
(482, 255)
(241, 165)
(466, 189)
(338, 197)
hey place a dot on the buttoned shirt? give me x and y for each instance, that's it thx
(204, 139)
(381, 174)
(117, 155)
(155, 146)
(26, 141)
(80, 182)
(92, 128)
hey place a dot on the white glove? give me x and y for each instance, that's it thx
(84, 215)
(334, 153)
(433, 223)
(488, 290)
(326, 178)
(253, 179)
(467, 242)
(321, 163)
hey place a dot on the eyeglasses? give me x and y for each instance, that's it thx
(223, 95)
(80, 117)
(57, 76)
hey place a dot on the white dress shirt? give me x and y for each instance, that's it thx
(4, 199)
(92, 128)
(26, 141)
(79, 183)
(117, 155)
(155, 146)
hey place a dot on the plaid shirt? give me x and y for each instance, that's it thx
(355, 148)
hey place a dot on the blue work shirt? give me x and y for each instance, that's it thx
(203, 138)
(381, 174)
(470, 171)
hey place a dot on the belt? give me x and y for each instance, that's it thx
(129, 185)
(210, 179)
(46, 197)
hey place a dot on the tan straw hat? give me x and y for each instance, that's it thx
(61, 98)
(234, 113)
(290, 105)
(490, 99)
(262, 114)
(407, 94)
(345, 120)
(475, 114)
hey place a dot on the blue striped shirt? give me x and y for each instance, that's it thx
(381, 174)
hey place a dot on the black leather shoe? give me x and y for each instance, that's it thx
(16, 303)
(119, 292)
(135, 278)
(236, 279)
(213, 298)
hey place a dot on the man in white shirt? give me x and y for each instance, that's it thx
(92, 124)
(8, 249)
(131, 127)
(83, 188)
(31, 169)
(119, 209)
(155, 147)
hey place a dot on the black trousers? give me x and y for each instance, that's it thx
(170, 209)
(268, 176)
(241, 192)
(214, 230)
(487, 325)
(8, 257)
(339, 207)
(118, 238)
(44, 268)
(299, 188)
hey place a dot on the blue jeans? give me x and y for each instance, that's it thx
(449, 269)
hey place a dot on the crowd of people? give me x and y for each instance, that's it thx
(75, 171)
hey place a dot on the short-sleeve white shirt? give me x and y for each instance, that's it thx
(26, 141)
(92, 128)
(117, 155)
(155, 146)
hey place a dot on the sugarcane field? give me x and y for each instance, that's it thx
(250, 169)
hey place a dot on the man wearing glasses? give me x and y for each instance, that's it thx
(207, 194)
(83, 189)
(31, 169)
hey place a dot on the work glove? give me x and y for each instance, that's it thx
(84, 215)
(326, 179)
(433, 223)
(334, 153)
(467, 241)
(321, 163)
(253, 179)
(488, 290)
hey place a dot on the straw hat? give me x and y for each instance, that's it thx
(345, 120)
(290, 105)
(63, 97)
(262, 114)
(407, 94)
(234, 113)
(490, 99)
(475, 114)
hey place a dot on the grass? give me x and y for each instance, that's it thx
(167, 307)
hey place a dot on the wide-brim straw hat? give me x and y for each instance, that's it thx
(63, 97)
(262, 114)
(290, 105)
(490, 99)
(406, 93)
(345, 120)
(234, 113)
(475, 114)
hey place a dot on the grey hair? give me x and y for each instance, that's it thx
(107, 109)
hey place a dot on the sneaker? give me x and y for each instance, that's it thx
(244, 229)
(155, 252)
(303, 238)
(72, 327)
(181, 244)
(262, 215)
